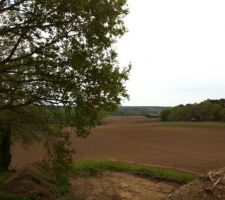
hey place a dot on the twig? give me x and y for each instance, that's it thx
(209, 174)
(216, 183)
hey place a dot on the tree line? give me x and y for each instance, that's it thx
(209, 110)
(147, 111)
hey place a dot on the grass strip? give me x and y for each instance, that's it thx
(153, 172)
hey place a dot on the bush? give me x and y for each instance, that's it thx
(164, 115)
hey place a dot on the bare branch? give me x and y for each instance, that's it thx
(13, 49)
(37, 50)
(10, 106)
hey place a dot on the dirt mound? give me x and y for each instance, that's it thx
(30, 182)
(120, 186)
(210, 186)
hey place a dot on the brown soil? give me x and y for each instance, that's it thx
(31, 182)
(136, 139)
(209, 187)
(109, 185)
(120, 186)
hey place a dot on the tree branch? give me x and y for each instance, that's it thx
(37, 50)
(10, 106)
(13, 49)
(12, 6)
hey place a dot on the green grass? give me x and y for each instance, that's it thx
(156, 173)
(189, 124)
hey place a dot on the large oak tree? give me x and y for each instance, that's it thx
(59, 52)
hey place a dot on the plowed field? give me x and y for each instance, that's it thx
(141, 140)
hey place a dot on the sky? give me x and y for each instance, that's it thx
(177, 51)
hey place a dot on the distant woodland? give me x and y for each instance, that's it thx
(148, 111)
(209, 110)
(63, 116)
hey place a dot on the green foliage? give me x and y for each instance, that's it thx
(66, 116)
(162, 174)
(218, 101)
(164, 114)
(62, 55)
(205, 111)
(59, 157)
(63, 186)
(24, 119)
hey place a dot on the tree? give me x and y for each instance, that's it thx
(164, 114)
(25, 124)
(60, 52)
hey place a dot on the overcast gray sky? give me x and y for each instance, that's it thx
(177, 49)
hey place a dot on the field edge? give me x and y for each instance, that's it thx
(92, 167)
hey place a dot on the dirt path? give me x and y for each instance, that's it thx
(120, 186)
(136, 139)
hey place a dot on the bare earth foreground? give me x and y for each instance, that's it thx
(117, 185)
(140, 140)
(111, 185)
(106, 185)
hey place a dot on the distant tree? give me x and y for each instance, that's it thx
(164, 114)
(58, 52)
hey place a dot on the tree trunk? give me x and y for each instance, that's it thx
(5, 144)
